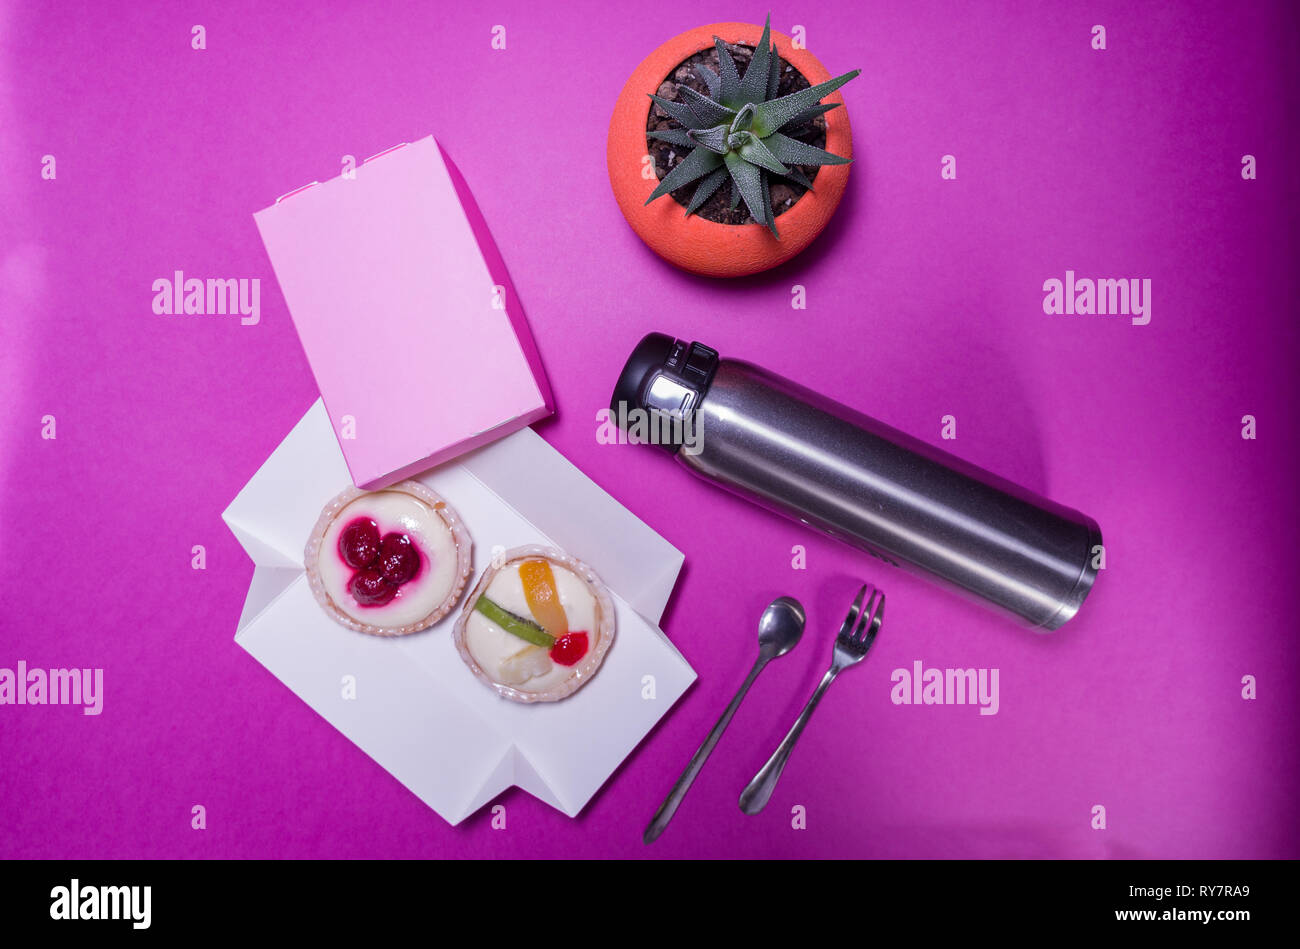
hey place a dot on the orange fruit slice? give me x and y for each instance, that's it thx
(543, 598)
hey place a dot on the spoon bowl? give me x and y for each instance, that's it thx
(780, 627)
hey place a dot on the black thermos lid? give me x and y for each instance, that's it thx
(651, 354)
(688, 368)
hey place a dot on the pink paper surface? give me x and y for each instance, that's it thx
(924, 299)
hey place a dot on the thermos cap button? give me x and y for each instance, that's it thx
(700, 362)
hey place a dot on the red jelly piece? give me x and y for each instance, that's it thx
(359, 543)
(569, 649)
(369, 588)
(398, 558)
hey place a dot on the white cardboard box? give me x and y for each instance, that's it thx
(418, 710)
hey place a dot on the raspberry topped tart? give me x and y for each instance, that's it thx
(537, 627)
(388, 562)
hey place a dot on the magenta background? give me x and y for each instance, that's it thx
(924, 299)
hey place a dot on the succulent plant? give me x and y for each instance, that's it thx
(735, 131)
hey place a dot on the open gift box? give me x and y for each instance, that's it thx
(427, 370)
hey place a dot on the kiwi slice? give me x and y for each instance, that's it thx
(525, 629)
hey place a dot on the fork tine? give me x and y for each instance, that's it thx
(865, 617)
(854, 610)
(877, 617)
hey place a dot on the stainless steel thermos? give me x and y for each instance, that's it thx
(800, 454)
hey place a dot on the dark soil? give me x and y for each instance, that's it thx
(666, 156)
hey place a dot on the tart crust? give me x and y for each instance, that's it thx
(586, 667)
(460, 536)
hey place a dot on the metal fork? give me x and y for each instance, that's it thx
(855, 637)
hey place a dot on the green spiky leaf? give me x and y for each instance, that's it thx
(695, 165)
(799, 178)
(673, 137)
(747, 178)
(771, 115)
(756, 153)
(709, 111)
(735, 196)
(794, 152)
(807, 115)
(729, 87)
(710, 79)
(682, 113)
(711, 183)
(773, 73)
(714, 139)
(744, 118)
(769, 214)
(753, 88)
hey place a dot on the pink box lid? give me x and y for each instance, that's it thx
(403, 305)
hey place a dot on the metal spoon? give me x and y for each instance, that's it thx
(779, 630)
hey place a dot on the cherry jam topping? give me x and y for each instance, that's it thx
(369, 588)
(569, 649)
(398, 558)
(381, 565)
(359, 543)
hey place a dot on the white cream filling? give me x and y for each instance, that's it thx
(393, 511)
(491, 646)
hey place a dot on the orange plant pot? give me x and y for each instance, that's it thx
(694, 243)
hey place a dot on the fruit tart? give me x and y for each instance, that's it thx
(537, 627)
(388, 562)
